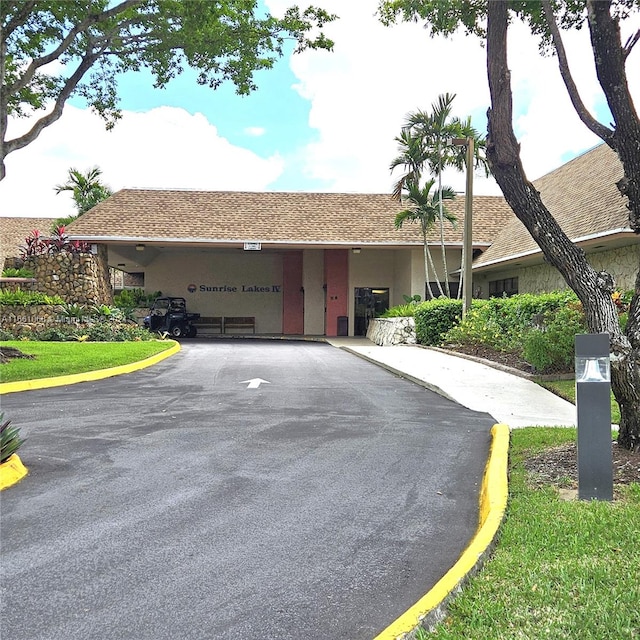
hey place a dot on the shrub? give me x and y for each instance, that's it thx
(552, 347)
(106, 331)
(502, 322)
(10, 440)
(60, 333)
(132, 298)
(434, 318)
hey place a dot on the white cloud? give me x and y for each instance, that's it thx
(255, 132)
(162, 148)
(359, 96)
(361, 92)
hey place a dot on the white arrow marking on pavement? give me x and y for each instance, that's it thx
(255, 383)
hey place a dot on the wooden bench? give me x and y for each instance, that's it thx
(239, 323)
(209, 322)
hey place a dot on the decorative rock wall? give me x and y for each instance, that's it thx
(82, 278)
(33, 317)
(390, 331)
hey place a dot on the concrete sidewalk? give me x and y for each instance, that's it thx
(509, 398)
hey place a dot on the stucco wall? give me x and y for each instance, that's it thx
(233, 283)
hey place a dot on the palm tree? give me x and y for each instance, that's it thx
(425, 209)
(426, 142)
(87, 190)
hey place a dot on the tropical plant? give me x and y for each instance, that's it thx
(425, 209)
(105, 312)
(12, 272)
(73, 310)
(427, 142)
(400, 311)
(10, 440)
(21, 298)
(86, 188)
(36, 244)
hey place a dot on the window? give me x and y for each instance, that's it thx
(506, 287)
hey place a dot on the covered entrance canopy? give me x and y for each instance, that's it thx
(293, 261)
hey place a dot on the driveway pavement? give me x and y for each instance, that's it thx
(240, 489)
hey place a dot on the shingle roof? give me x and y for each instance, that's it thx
(583, 198)
(13, 232)
(282, 217)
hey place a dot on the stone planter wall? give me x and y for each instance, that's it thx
(390, 331)
(82, 278)
(34, 317)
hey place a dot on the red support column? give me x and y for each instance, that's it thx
(336, 271)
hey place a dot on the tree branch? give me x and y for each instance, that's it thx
(609, 57)
(19, 18)
(45, 121)
(630, 43)
(36, 63)
(583, 113)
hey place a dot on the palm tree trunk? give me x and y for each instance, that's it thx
(428, 260)
(444, 253)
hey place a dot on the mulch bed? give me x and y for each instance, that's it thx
(559, 466)
(6, 353)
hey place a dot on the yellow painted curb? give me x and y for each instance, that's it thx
(12, 471)
(493, 502)
(87, 376)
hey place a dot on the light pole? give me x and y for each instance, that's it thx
(593, 403)
(467, 238)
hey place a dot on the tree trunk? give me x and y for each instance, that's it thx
(427, 292)
(592, 288)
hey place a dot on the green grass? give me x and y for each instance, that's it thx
(567, 389)
(64, 358)
(561, 569)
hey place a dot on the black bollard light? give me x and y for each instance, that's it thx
(593, 400)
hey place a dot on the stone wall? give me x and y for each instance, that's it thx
(33, 317)
(390, 331)
(621, 263)
(82, 278)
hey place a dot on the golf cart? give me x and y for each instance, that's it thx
(169, 315)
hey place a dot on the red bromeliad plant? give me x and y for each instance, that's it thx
(36, 244)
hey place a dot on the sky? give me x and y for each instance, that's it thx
(318, 121)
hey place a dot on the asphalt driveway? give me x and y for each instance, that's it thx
(238, 490)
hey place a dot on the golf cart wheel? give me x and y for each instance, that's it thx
(192, 332)
(177, 331)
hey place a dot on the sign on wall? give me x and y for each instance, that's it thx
(242, 288)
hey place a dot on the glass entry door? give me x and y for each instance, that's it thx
(369, 303)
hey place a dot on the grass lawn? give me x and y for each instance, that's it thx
(63, 358)
(567, 389)
(561, 569)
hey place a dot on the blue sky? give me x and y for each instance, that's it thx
(277, 113)
(318, 122)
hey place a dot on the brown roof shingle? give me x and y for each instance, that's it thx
(280, 217)
(13, 232)
(583, 198)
